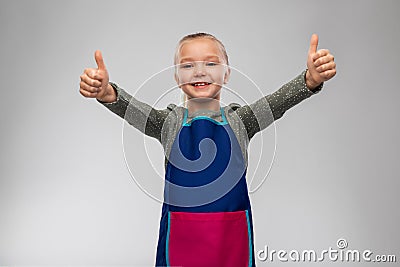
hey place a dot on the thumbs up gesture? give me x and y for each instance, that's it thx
(94, 82)
(320, 64)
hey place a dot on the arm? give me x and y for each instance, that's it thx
(260, 114)
(321, 67)
(95, 84)
(140, 115)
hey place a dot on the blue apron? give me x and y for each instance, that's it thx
(206, 216)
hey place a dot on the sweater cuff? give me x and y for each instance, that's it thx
(121, 104)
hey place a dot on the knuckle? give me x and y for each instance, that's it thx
(91, 73)
(83, 92)
(83, 85)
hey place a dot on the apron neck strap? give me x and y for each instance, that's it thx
(185, 116)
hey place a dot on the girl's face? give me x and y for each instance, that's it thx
(201, 69)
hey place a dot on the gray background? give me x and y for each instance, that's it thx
(66, 196)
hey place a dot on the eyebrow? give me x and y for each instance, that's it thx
(206, 58)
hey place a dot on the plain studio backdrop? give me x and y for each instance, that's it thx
(66, 194)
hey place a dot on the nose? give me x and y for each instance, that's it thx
(199, 69)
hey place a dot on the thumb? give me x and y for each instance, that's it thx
(313, 44)
(99, 60)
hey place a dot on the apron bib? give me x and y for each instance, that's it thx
(206, 215)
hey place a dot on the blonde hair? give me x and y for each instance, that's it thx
(198, 35)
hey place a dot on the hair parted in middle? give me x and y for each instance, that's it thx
(198, 35)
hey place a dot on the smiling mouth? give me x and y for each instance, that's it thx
(200, 84)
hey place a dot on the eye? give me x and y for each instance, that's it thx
(211, 64)
(186, 66)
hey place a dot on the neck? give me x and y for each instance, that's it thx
(194, 105)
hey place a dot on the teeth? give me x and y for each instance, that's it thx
(200, 84)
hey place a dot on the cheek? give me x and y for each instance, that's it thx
(184, 77)
(185, 89)
(217, 77)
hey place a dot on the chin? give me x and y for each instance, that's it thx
(205, 95)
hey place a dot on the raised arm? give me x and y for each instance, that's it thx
(320, 68)
(95, 84)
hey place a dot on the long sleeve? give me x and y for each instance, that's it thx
(140, 115)
(258, 115)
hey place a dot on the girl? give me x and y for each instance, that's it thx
(206, 216)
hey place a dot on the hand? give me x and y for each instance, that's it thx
(95, 82)
(320, 64)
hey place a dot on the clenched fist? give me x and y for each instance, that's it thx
(94, 82)
(320, 64)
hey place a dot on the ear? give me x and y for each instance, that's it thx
(227, 75)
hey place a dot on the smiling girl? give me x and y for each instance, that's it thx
(206, 217)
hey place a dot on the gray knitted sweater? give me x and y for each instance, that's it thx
(245, 121)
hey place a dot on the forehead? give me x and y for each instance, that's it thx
(199, 49)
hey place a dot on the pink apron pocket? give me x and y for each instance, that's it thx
(209, 239)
